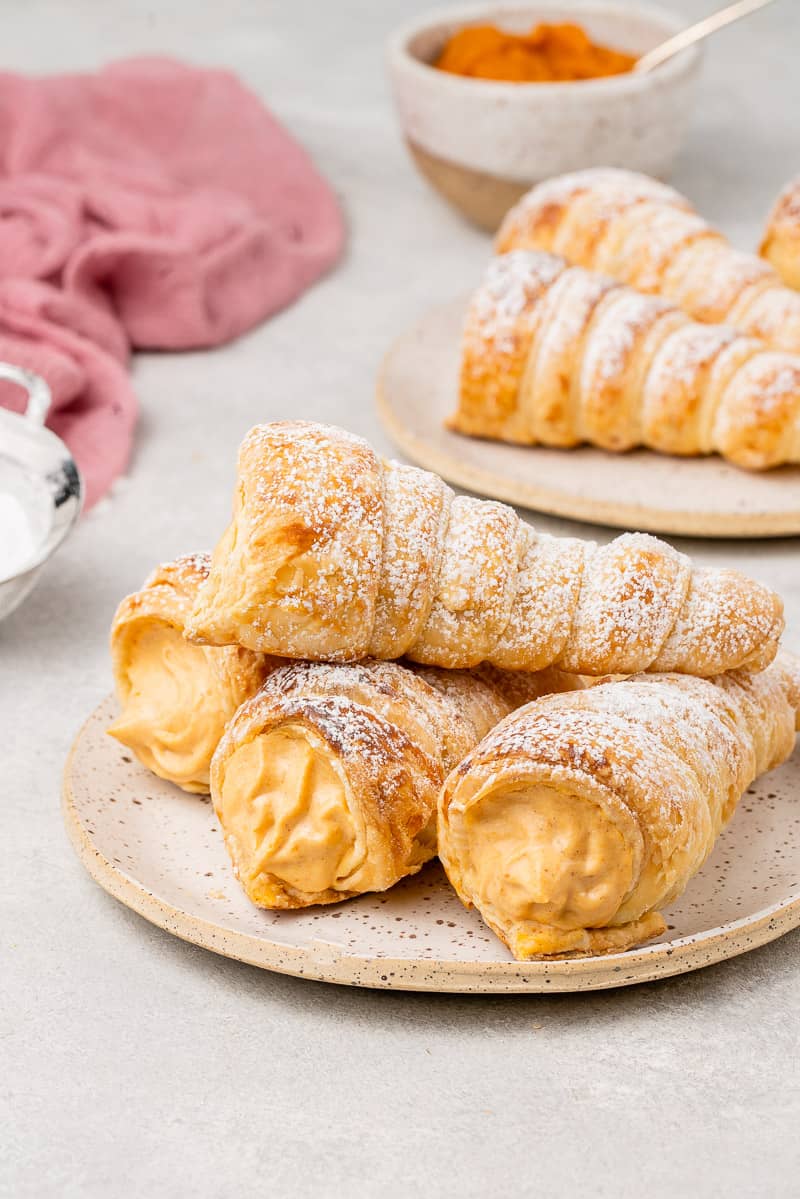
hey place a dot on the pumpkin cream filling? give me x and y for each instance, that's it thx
(174, 706)
(284, 806)
(544, 866)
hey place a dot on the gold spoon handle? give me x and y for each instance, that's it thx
(695, 33)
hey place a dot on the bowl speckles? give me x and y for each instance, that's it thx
(160, 852)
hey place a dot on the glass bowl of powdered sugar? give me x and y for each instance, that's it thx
(40, 490)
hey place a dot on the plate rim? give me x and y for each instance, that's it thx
(550, 502)
(326, 964)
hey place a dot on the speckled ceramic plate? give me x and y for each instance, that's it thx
(698, 497)
(160, 851)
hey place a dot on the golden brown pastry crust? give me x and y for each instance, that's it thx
(647, 235)
(556, 355)
(173, 716)
(392, 561)
(350, 758)
(781, 243)
(581, 815)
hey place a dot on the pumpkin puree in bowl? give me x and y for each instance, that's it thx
(557, 53)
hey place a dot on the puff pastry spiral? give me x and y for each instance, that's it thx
(558, 355)
(580, 816)
(325, 782)
(175, 697)
(333, 554)
(781, 244)
(647, 235)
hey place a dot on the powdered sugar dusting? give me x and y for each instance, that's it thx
(313, 506)
(312, 495)
(353, 730)
(654, 235)
(583, 359)
(476, 585)
(686, 353)
(416, 514)
(632, 593)
(648, 235)
(677, 752)
(511, 287)
(199, 563)
(727, 621)
(773, 313)
(610, 183)
(547, 588)
(616, 336)
(568, 311)
(193, 567)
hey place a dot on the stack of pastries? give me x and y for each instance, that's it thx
(370, 670)
(614, 315)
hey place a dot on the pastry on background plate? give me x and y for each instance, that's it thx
(175, 698)
(647, 235)
(781, 244)
(559, 356)
(335, 554)
(581, 816)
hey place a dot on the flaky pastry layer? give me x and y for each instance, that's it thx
(557, 355)
(334, 554)
(175, 697)
(581, 816)
(647, 235)
(781, 242)
(325, 782)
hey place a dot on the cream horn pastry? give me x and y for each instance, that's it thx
(557, 355)
(648, 235)
(175, 697)
(781, 243)
(581, 817)
(325, 782)
(334, 554)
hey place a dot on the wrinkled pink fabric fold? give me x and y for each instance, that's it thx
(152, 205)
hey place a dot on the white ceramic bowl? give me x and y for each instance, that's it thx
(38, 472)
(483, 143)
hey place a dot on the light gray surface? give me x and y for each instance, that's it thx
(134, 1065)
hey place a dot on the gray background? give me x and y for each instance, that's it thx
(135, 1065)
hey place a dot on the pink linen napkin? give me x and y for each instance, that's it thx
(152, 205)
